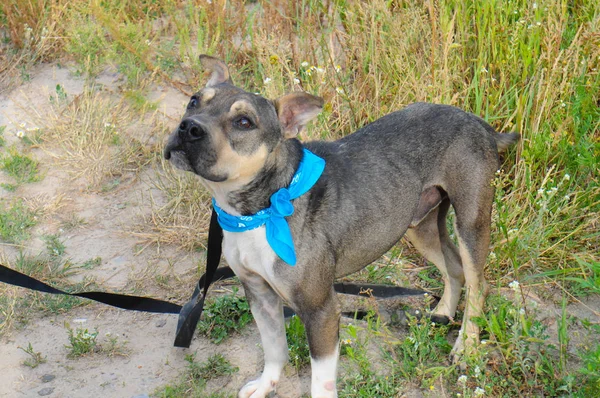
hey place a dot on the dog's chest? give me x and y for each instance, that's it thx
(249, 251)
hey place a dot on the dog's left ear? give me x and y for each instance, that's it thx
(220, 72)
(295, 110)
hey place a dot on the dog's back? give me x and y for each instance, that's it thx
(375, 174)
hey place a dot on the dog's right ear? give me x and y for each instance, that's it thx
(218, 69)
(295, 110)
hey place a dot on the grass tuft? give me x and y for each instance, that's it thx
(223, 316)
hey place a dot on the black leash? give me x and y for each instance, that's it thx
(190, 312)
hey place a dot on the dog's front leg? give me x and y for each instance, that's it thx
(322, 322)
(267, 309)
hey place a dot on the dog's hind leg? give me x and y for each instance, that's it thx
(430, 238)
(267, 309)
(473, 220)
(321, 317)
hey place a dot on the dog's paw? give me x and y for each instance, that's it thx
(258, 388)
(463, 348)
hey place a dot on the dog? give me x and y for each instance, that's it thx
(397, 176)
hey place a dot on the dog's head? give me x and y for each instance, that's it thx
(227, 134)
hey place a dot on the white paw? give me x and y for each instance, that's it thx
(258, 388)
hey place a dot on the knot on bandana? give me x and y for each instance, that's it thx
(281, 205)
(278, 231)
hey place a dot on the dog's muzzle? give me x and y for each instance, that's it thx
(189, 130)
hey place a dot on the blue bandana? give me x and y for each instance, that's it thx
(278, 231)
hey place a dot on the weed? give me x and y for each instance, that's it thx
(193, 382)
(214, 367)
(224, 315)
(425, 347)
(590, 372)
(297, 343)
(21, 167)
(55, 247)
(91, 263)
(81, 342)
(15, 221)
(112, 347)
(9, 187)
(35, 358)
(2, 139)
(72, 221)
(60, 96)
(364, 381)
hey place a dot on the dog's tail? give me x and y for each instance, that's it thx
(504, 141)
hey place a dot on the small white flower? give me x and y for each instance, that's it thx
(339, 90)
(267, 80)
(522, 311)
(534, 6)
(538, 24)
(20, 134)
(483, 342)
(477, 371)
(320, 70)
(479, 392)
(484, 70)
(492, 256)
(296, 80)
(567, 177)
(567, 197)
(337, 68)
(514, 285)
(462, 379)
(304, 64)
(540, 191)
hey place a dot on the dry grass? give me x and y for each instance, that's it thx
(88, 137)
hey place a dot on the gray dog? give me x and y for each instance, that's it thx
(296, 216)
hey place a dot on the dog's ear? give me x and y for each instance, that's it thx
(218, 69)
(295, 110)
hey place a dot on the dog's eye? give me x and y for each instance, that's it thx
(193, 102)
(244, 123)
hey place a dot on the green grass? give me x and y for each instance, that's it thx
(22, 168)
(193, 382)
(16, 220)
(223, 316)
(297, 343)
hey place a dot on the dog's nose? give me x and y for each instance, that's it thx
(190, 130)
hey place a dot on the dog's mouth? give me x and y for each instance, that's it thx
(170, 148)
